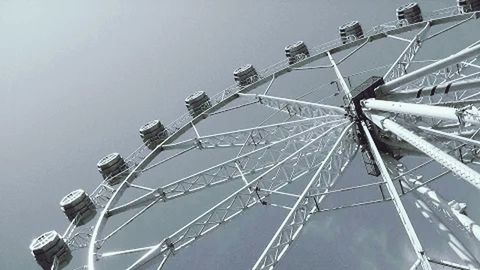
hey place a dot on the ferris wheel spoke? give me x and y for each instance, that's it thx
(443, 64)
(415, 265)
(450, 136)
(412, 235)
(243, 199)
(251, 163)
(436, 85)
(450, 264)
(469, 115)
(325, 177)
(440, 89)
(438, 211)
(403, 62)
(296, 107)
(449, 162)
(257, 136)
(473, 16)
(123, 252)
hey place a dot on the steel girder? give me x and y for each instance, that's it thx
(469, 114)
(463, 55)
(296, 107)
(449, 162)
(407, 224)
(250, 163)
(307, 203)
(283, 173)
(257, 136)
(403, 62)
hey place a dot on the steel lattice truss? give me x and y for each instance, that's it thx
(308, 202)
(425, 108)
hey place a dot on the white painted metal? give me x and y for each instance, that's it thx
(451, 265)
(401, 65)
(261, 135)
(451, 136)
(107, 197)
(437, 210)
(441, 89)
(340, 78)
(252, 162)
(238, 202)
(453, 59)
(296, 107)
(468, 114)
(323, 180)
(407, 224)
(449, 162)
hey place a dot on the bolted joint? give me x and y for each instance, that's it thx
(159, 193)
(168, 243)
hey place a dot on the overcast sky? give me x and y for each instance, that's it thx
(77, 79)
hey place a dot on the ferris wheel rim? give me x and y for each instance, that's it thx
(102, 219)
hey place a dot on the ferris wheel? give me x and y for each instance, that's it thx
(289, 155)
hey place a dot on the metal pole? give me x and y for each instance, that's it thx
(407, 224)
(430, 201)
(443, 88)
(410, 77)
(450, 136)
(344, 85)
(449, 162)
(467, 115)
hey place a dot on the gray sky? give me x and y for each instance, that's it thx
(78, 78)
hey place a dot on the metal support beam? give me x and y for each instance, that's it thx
(449, 162)
(410, 77)
(296, 107)
(181, 125)
(438, 211)
(451, 136)
(259, 136)
(442, 89)
(324, 179)
(407, 224)
(451, 265)
(240, 201)
(252, 162)
(344, 85)
(401, 65)
(464, 115)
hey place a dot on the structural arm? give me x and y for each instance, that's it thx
(296, 107)
(449, 162)
(238, 202)
(324, 179)
(465, 115)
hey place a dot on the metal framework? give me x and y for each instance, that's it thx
(294, 163)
